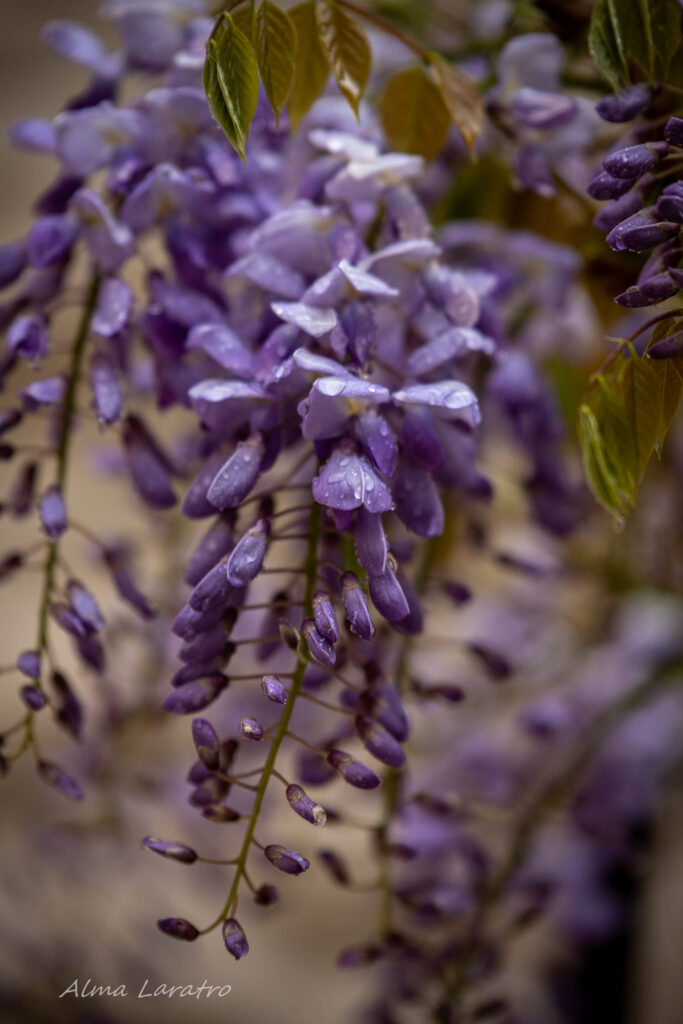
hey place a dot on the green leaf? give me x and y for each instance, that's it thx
(231, 81)
(604, 46)
(275, 44)
(665, 18)
(460, 96)
(600, 474)
(311, 67)
(347, 49)
(646, 32)
(624, 419)
(414, 116)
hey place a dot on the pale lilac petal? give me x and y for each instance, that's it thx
(224, 347)
(451, 398)
(309, 319)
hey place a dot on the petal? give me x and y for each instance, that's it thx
(451, 398)
(418, 504)
(309, 319)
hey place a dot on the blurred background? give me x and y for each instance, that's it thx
(79, 898)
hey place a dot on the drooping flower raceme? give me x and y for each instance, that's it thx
(286, 356)
(324, 347)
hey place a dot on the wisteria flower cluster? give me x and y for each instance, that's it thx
(285, 329)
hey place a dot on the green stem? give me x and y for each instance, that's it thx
(64, 447)
(297, 680)
(62, 455)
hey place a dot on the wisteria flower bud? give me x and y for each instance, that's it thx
(418, 504)
(173, 851)
(387, 708)
(319, 646)
(53, 513)
(196, 670)
(91, 652)
(147, 464)
(670, 203)
(234, 938)
(28, 662)
(216, 543)
(115, 559)
(496, 666)
(107, 397)
(667, 348)
(655, 289)
(266, 896)
(356, 607)
(221, 814)
(306, 808)
(67, 619)
(251, 729)
(195, 695)
(28, 337)
(58, 779)
(68, 709)
(205, 645)
(214, 589)
(641, 231)
(606, 186)
(23, 490)
(188, 623)
(325, 616)
(673, 131)
(335, 866)
(10, 419)
(352, 771)
(85, 606)
(33, 698)
(625, 105)
(206, 741)
(274, 690)
(288, 634)
(237, 476)
(211, 791)
(10, 563)
(388, 596)
(371, 543)
(178, 928)
(379, 742)
(246, 560)
(633, 161)
(288, 861)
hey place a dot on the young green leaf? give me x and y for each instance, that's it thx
(275, 44)
(624, 419)
(311, 67)
(347, 50)
(646, 32)
(665, 19)
(600, 474)
(604, 45)
(460, 96)
(231, 81)
(414, 116)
